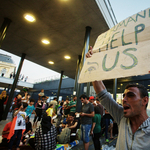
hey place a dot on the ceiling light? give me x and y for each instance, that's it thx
(45, 41)
(51, 62)
(29, 17)
(118, 87)
(148, 85)
(67, 57)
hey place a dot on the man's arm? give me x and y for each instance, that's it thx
(98, 86)
(93, 126)
(88, 115)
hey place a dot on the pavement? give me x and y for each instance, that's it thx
(111, 144)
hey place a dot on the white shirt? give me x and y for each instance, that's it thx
(20, 121)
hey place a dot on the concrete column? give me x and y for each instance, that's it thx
(9, 102)
(77, 74)
(85, 50)
(59, 85)
(88, 89)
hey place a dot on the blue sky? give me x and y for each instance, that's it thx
(122, 9)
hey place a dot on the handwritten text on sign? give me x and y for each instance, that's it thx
(122, 51)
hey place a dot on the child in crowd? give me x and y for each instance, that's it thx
(18, 126)
(30, 108)
(49, 111)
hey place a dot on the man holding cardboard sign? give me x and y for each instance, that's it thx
(132, 119)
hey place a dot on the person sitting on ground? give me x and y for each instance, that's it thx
(132, 118)
(72, 124)
(28, 130)
(45, 135)
(30, 109)
(96, 128)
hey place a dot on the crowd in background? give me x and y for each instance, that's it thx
(57, 119)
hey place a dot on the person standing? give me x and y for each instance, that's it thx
(87, 112)
(30, 109)
(96, 128)
(3, 98)
(66, 109)
(18, 126)
(132, 118)
(72, 104)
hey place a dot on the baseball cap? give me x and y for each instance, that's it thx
(91, 97)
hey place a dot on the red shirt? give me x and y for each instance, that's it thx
(6, 128)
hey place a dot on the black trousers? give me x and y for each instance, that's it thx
(96, 140)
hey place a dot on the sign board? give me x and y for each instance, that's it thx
(122, 51)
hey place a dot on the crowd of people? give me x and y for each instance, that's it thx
(57, 119)
(60, 123)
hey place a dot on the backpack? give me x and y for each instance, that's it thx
(64, 136)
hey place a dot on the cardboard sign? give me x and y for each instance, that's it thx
(122, 51)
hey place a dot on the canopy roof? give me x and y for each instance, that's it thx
(63, 22)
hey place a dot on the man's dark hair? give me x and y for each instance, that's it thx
(83, 96)
(142, 89)
(97, 110)
(44, 96)
(74, 96)
(32, 100)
